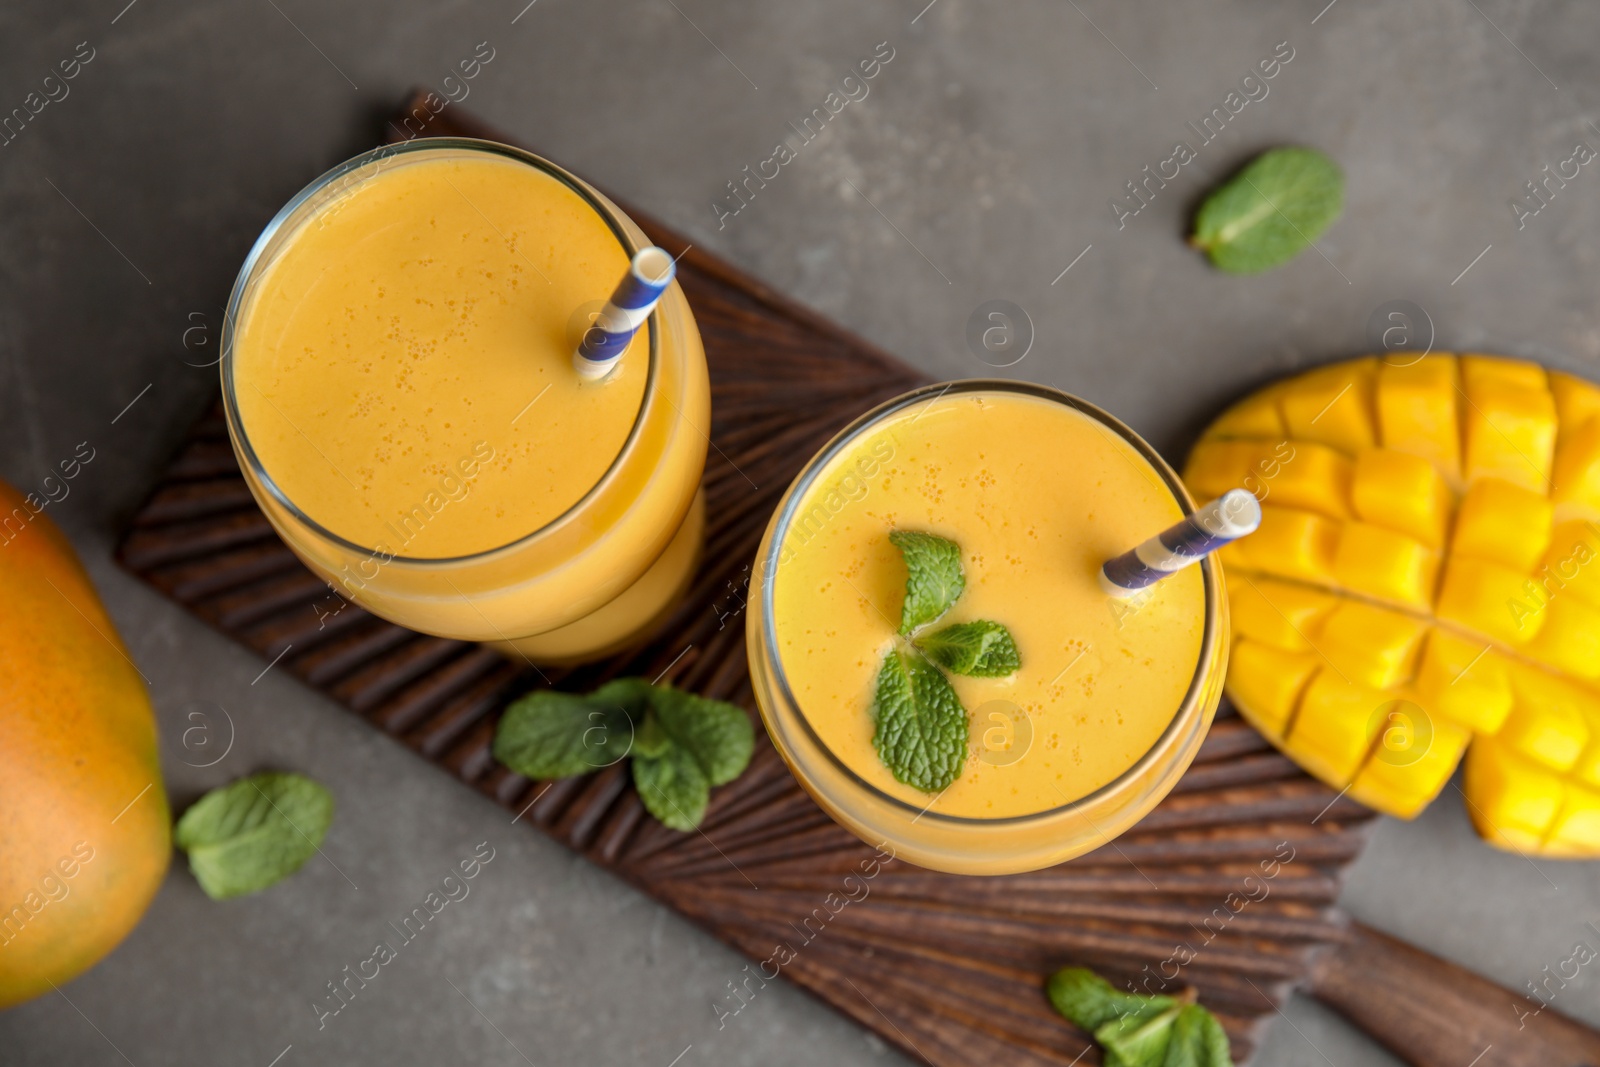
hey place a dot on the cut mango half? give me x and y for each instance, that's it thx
(1425, 585)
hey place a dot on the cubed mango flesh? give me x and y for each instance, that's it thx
(1413, 759)
(1502, 523)
(1402, 492)
(1418, 402)
(1332, 732)
(1513, 802)
(1510, 434)
(1575, 475)
(1385, 565)
(1485, 598)
(1332, 406)
(1482, 374)
(1216, 466)
(1255, 417)
(1569, 563)
(1465, 681)
(1372, 646)
(1576, 830)
(1277, 613)
(1424, 583)
(1306, 476)
(1293, 544)
(1549, 723)
(1577, 401)
(1268, 687)
(1569, 640)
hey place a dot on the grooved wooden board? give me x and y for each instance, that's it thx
(948, 968)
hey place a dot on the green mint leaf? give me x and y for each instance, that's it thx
(1215, 1050)
(1140, 1038)
(650, 739)
(1270, 211)
(628, 695)
(558, 735)
(1198, 1040)
(933, 577)
(681, 744)
(1135, 1030)
(981, 649)
(1089, 1001)
(252, 833)
(922, 728)
(717, 734)
(673, 787)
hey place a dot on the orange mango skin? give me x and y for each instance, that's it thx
(77, 745)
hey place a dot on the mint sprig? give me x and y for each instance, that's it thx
(717, 734)
(548, 734)
(681, 745)
(254, 832)
(694, 744)
(980, 649)
(934, 578)
(922, 731)
(922, 727)
(1270, 211)
(673, 786)
(1135, 1030)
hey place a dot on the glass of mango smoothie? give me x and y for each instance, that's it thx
(398, 378)
(1106, 699)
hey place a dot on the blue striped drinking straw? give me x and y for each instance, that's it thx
(1227, 518)
(635, 297)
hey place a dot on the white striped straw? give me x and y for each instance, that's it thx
(1227, 518)
(635, 297)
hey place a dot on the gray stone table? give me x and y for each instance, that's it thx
(983, 164)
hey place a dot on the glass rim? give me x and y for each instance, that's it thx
(289, 213)
(844, 438)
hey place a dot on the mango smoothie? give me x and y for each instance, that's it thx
(1111, 696)
(400, 388)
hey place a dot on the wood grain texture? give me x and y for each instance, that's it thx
(948, 968)
(1433, 1012)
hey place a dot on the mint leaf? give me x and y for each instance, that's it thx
(981, 649)
(933, 580)
(1198, 1040)
(673, 787)
(922, 728)
(1270, 211)
(717, 734)
(252, 833)
(1140, 1037)
(681, 744)
(686, 745)
(628, 695)
(650, 739)
(1136, 1030)
(558, 735)
(1089, 1001)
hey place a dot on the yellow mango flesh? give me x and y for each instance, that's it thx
(1575, 478)
(1418, 412)
(1404, 492)
(1424, 585)
(1510, 422)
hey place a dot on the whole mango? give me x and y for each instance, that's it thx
(1426, 578)
(84, 825)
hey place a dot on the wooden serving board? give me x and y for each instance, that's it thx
(948, 968)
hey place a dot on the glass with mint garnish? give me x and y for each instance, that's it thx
(930, 646)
